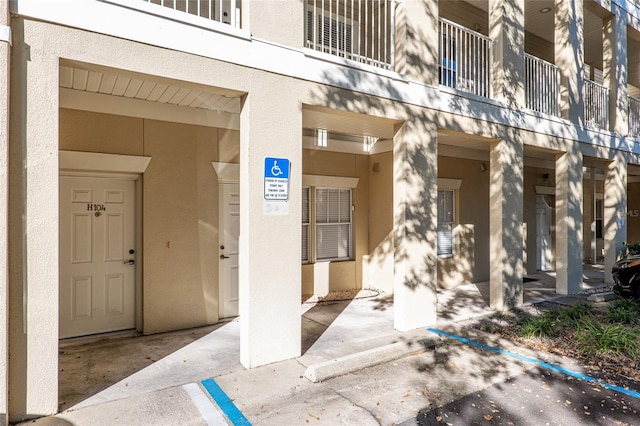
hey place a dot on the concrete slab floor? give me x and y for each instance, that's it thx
(98, 371)
(89, 366)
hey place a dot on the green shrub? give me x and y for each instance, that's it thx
(541, 325)
(594, 338)
(631, 249)
(576, 311)
(624, 311)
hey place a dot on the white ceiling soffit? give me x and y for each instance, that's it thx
(81, 88)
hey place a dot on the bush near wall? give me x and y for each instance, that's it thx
(631, 249)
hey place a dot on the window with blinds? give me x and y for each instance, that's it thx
(306, 228)
(333, 223)
(332, 33)
(445, 222)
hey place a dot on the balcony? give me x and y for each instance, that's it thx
(596, 105)
(358, 30)
(465, 59)
(542, 86)
(220, 11)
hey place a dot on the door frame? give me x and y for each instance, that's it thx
(130, 167)
(226, 173)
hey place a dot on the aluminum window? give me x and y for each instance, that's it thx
(306, 225)
(446, 222)
(333, 223)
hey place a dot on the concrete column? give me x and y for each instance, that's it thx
(614, 225)
(614, 58)
(506, 191)
(415, 211)
(5, 54)
(417, 40)
(569, 222)
(506, 27)
(569, 54)
(33, 225)
(270, 231)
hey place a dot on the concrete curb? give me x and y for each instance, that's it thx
(348, 364)
(602, 297)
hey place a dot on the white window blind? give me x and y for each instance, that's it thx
(331, 35)
(333, 224)
(305, 225)
(445, 222)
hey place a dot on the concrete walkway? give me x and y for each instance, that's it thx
(152, 373)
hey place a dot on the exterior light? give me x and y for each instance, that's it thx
(368, 143)
(321, 137)
(545, 10)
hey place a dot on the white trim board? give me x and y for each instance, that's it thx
(227, 172)
(98, 162)
(329, 181)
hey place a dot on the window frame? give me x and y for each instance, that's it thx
(339, 223)
(306, 226)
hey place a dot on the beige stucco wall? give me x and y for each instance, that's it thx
(379, 265)
(633, 209)
(470, 262)
(342, 275)
(180, 208)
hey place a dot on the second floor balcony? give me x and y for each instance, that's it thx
(359, 30)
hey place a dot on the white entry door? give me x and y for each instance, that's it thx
(97, 257)
(228, 248)
(543, 233)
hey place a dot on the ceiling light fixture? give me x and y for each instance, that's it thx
(321, 138)
(368, 143)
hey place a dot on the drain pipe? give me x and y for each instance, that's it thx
(5, 55)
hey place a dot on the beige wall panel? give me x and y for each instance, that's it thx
(361, 217)
(633, 212)
(465, 14)
(316, 162)
(326, 163)
(380, 260)
(228, 146)
(470, 262)
(181, 227)
(342, 276)
(538, 47)
(307, 280)
(105, 133)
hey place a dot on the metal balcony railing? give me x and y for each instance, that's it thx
(634, 117)
(359, 30)
(542, 85)
(223, 11)
(466, 59)
(596, 104)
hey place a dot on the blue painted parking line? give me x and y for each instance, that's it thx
(543, 364)
(224, 402)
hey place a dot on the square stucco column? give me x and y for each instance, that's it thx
(417, 40)
(569, 54)
(614, 58)
(506, 191)
(33, 225)
(569, 176)
(270, 231)
(615, 213)
(506, 23)
(415, 210)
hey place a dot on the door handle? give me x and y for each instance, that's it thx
(129, 262)
(222, 256)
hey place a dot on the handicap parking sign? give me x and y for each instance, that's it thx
(276, 178)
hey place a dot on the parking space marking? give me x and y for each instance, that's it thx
(229, 409)
(538, 362)
(207, 410)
